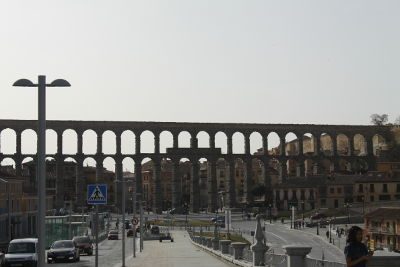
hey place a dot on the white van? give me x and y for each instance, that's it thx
(22, 252)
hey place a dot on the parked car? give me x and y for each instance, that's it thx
(113, 235)
(179, 210)
(63, 250)
(166, 236)
(84, 244)
(155, 230)
(128, 225)
(130, 233)
(21, 252)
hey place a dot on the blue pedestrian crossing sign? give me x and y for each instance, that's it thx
(97, 194)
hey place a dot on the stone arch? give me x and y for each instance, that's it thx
(360, 145)
(51, 141)
(109, 177)
(309, 144)
(291, 167)
(8, 166)
(359, 166)
(28, 142)
(147, 142)
(184, 139)
(147, 181)
(128, 165)
(128, 142)
(89, 162)
(222, 174)
(185, 179)
(166, 141)
(343, 145)
(240, 176)
(378, 144)
(273, 144)
(69, 142)
(221, 141)
(89, 142)
(203, 139)
(238, 142)
(204, 184)
(256, 143)
(326, 142)
(345, 166)
(8, 141)
(292, 144)
(109, 142)
(325, 166)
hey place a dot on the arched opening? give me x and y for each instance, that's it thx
(256, 144)
(166, 183)
(360, 145)
(309, 167)
(326, 144)
(109, 177)
(51, 142)
(147, 142)
(292, 144)
(89, 139)
(70, 180)
(345, 166)
(184, 181)
(28, 142)
(69, 142)
(258, 189)
(273, 144)
(166, 141)
(203, 139)
(184, 139)
(8, 141)
(308, 144)
(128, 168)
(222, 175)
(238, 143)
(8, 166)
(325, 167)
(343, 145)
(240, 176)
(148, 182)
(221, 141)
(291, 167)
(359, 166)
(128, 142)
(378, 144)
(204, 184)
(109, 142)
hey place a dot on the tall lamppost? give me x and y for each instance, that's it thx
(347, 205)
(8, 209)
(41, 156)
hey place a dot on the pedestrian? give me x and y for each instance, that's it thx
(327, 234)
(357, 254)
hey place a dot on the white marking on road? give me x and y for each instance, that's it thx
(277, 236)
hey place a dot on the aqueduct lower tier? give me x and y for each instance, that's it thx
(194, 153)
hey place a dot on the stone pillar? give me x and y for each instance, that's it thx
(296, 255)
(119, 185)
(229, 143)
(158, 195)
(259, 248)
(317, 147)
(59, 182)
(80, 184)
(231, 194)
(194, 188)
(265, 144)
(137, 143)
(334, 145)
(99, 171)
(238, 250)
(175, 140)
(351, 145)
(99, 144)
(59, 144)
(79, 148)
(18, 155)
(224, 245)
(156, 143)
(138, 178)
(193, 142)
(283, 171)
(212, 187)
(248, 183)
(300, 169)
(247, 144)
(175, 190)
(301, 149)
(212, 140)
(282, 146)
(267, 181)
(370, 146)
(118, 143)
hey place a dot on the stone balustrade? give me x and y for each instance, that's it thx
(238, 250)
(224, 246)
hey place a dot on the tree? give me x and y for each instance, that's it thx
(379, 120)
(397, 121)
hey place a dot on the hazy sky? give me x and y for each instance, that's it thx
(204, 61)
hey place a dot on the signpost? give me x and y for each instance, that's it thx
(97, 195)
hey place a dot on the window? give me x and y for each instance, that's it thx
(221, 173)
(336, 203)
(339, 190)
(384, 197)
(360, 188)
(385, 189)
(331, 190)
(323, 202)
(371, 188)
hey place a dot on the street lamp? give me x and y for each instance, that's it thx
(41, 156)
(8, 209)
(347, 205)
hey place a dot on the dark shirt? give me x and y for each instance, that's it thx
(355, 251)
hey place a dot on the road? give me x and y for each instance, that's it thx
(279, 235)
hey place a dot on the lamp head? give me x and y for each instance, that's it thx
(59, 83)
(24, 83)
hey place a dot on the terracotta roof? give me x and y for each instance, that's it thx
(385, 212)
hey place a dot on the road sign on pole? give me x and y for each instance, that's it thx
(135, 221)
(97, 194)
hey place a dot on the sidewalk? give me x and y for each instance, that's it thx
(179, 253)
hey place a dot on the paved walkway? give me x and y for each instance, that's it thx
(180, 253)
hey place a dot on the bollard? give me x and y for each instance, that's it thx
(238, 250)
(224, 245)
(215, 244)
(296, 255)
(209, 242)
